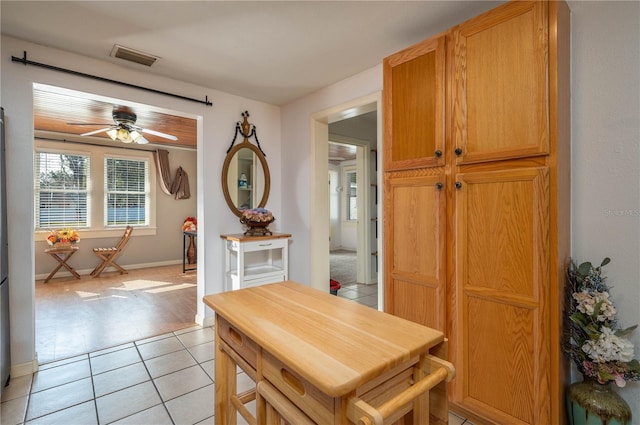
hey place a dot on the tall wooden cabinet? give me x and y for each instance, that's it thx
(477, 215)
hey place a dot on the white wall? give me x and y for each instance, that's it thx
(606, 153)
(299, 166)
(163, 247)
(216, 128)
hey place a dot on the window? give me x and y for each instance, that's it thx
(352, 194)
(96, 189)
(62, 184)
(126, 194)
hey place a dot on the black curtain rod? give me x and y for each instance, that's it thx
(51, 139)
(26, 62)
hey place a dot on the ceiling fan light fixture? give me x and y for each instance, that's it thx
(113, 134)
(137, 137)
(124, 136)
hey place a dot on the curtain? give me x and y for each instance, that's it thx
(161, 158)
(180, 186)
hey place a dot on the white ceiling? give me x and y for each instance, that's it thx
(272, 51)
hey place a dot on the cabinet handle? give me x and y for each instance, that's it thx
(438, 153)
(458, 185)
(266, 244)
(439, 185)
(458, 151)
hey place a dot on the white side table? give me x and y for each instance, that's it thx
(255, 260)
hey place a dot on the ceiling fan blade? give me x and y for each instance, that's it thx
(90, 133)
(85, 123)
(157, 133)
(141, 141)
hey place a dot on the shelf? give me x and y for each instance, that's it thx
(252, 261)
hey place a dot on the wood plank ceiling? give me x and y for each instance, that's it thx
(54, 111)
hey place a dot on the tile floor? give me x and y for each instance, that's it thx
(167, 379)
(360, 293)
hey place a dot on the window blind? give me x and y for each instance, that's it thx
(62, 190)
(126, 192)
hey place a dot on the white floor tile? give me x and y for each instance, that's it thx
(455, 420)
(169, 363)
(156, 415)
(154, 338)
(118, 379)
(126, 402)
(60, 397)
(198, 337)
(84, 414)
(244, 382)
(49, 378)
(61, 362)
(193, 407)
(189, 329)
(182, 382)
(111, 349)
(114, 360)
(210, 368)
(210, 421)
(203, 352)
(160, 347)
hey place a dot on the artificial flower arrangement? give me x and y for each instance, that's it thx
(256, 215)
(592, 340)
(190, 224)
(63, 236)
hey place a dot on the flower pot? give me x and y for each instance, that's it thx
(592, 403)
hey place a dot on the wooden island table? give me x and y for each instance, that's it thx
(320, 359)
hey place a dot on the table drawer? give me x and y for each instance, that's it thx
(313, 402)
(238, 341)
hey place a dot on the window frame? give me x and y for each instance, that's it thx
(346, 171)
(38, 190)
(97, 155)
(145, 192)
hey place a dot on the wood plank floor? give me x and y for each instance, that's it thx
(78, 316)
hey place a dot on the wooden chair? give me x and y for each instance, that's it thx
(108, 255)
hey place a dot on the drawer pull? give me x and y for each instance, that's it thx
(362, 413)
(235, 336)
(292, 381)
(265, 244)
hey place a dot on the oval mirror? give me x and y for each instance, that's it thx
(245, 178)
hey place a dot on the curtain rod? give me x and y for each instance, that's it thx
(26, 62)
(51, 139)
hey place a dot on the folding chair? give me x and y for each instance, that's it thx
(108, 255)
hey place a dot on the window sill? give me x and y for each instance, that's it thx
(41, 235)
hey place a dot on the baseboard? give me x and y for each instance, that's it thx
(205, 322)
(128, 266)
(24, 369)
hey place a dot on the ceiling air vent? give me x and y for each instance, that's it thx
(131, 55)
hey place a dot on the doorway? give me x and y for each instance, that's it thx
(75, 316)
(341, 126)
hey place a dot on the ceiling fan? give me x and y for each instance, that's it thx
(125, 129)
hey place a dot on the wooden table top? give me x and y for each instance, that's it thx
(241, 237)
(334, 343)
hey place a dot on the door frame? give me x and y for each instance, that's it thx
(319, 140)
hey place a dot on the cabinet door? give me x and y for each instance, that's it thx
(501, 103)
(415, 248)
(414, 106)
(502, 300)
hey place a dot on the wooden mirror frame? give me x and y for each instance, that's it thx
(225, 178)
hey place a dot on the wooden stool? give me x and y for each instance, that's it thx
(62, 255)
